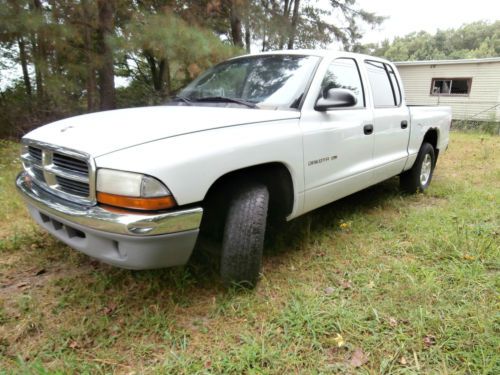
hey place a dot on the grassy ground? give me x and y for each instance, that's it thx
(376, 283)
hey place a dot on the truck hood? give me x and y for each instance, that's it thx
(104, 132)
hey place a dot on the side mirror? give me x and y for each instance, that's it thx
(336, 98)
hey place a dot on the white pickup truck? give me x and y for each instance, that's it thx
(277, 133)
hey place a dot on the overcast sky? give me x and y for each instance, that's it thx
(430, 15)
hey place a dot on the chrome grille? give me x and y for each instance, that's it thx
(71, 164)
(73, 187)
(67, 173)
(35, 153)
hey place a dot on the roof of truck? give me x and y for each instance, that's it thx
(316, 52)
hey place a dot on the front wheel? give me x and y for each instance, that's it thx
(243, 238)
(418, 178)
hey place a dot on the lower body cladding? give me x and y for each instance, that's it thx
(120, 238)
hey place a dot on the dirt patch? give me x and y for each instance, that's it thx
(426, 201)
(23, 280)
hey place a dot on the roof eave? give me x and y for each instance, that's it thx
(449, 62)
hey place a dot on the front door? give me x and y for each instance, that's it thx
(337, 147)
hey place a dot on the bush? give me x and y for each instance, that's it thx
(490, 126)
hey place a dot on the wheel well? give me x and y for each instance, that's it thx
(432, 137)
(275, 176)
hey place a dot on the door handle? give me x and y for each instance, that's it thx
(404, 124)
(368, 129)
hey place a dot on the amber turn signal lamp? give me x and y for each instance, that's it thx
(136, 203)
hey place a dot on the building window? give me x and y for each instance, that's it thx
(451, 86)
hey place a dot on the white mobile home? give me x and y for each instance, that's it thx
(471, 87)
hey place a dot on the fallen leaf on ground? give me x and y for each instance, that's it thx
(346, 284)
(358, 358)
(329, 290)
(346, 225)
(429, 340)
(339, 340)
(73, 344)
(41, 271)
(469, 257)
(108, 310)
(393, 322)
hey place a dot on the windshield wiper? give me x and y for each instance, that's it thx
(183, 99)
(224, 99)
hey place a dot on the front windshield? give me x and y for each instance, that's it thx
(266, 81)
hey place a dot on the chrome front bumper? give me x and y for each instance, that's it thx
(98, 218)
(121, 238)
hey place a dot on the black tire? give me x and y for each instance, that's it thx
(411, 180)
(243, 238)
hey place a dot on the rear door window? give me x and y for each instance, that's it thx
(395, 85)
(384, 85)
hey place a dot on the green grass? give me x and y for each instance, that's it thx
(412, 281)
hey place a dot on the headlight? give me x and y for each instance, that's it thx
(132, 190)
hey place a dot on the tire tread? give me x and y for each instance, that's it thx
(244, 233)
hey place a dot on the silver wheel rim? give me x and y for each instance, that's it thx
(425, 171)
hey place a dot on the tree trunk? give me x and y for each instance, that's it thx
(24, 64)
(38, 70)
(90, 79)
(235, 20)
(91, 89)
(285, 22)
(39, 54)
(106, 70)
(160, 75)
(155, 77)
(21, 44)
(165, 77)
(293, 28)
(248, 35)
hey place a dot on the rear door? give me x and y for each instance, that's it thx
(391, 121)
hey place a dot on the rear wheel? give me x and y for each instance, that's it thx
(244, 233)
(418, 178)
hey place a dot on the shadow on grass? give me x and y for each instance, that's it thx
(328, 218)
(182, 286)
(290, 236)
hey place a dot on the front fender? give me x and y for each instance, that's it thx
(189, 164)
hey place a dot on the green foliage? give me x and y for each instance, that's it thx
(166, 35)
(474, 40)
(173, 51)
(490, 126)
(70, 51)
